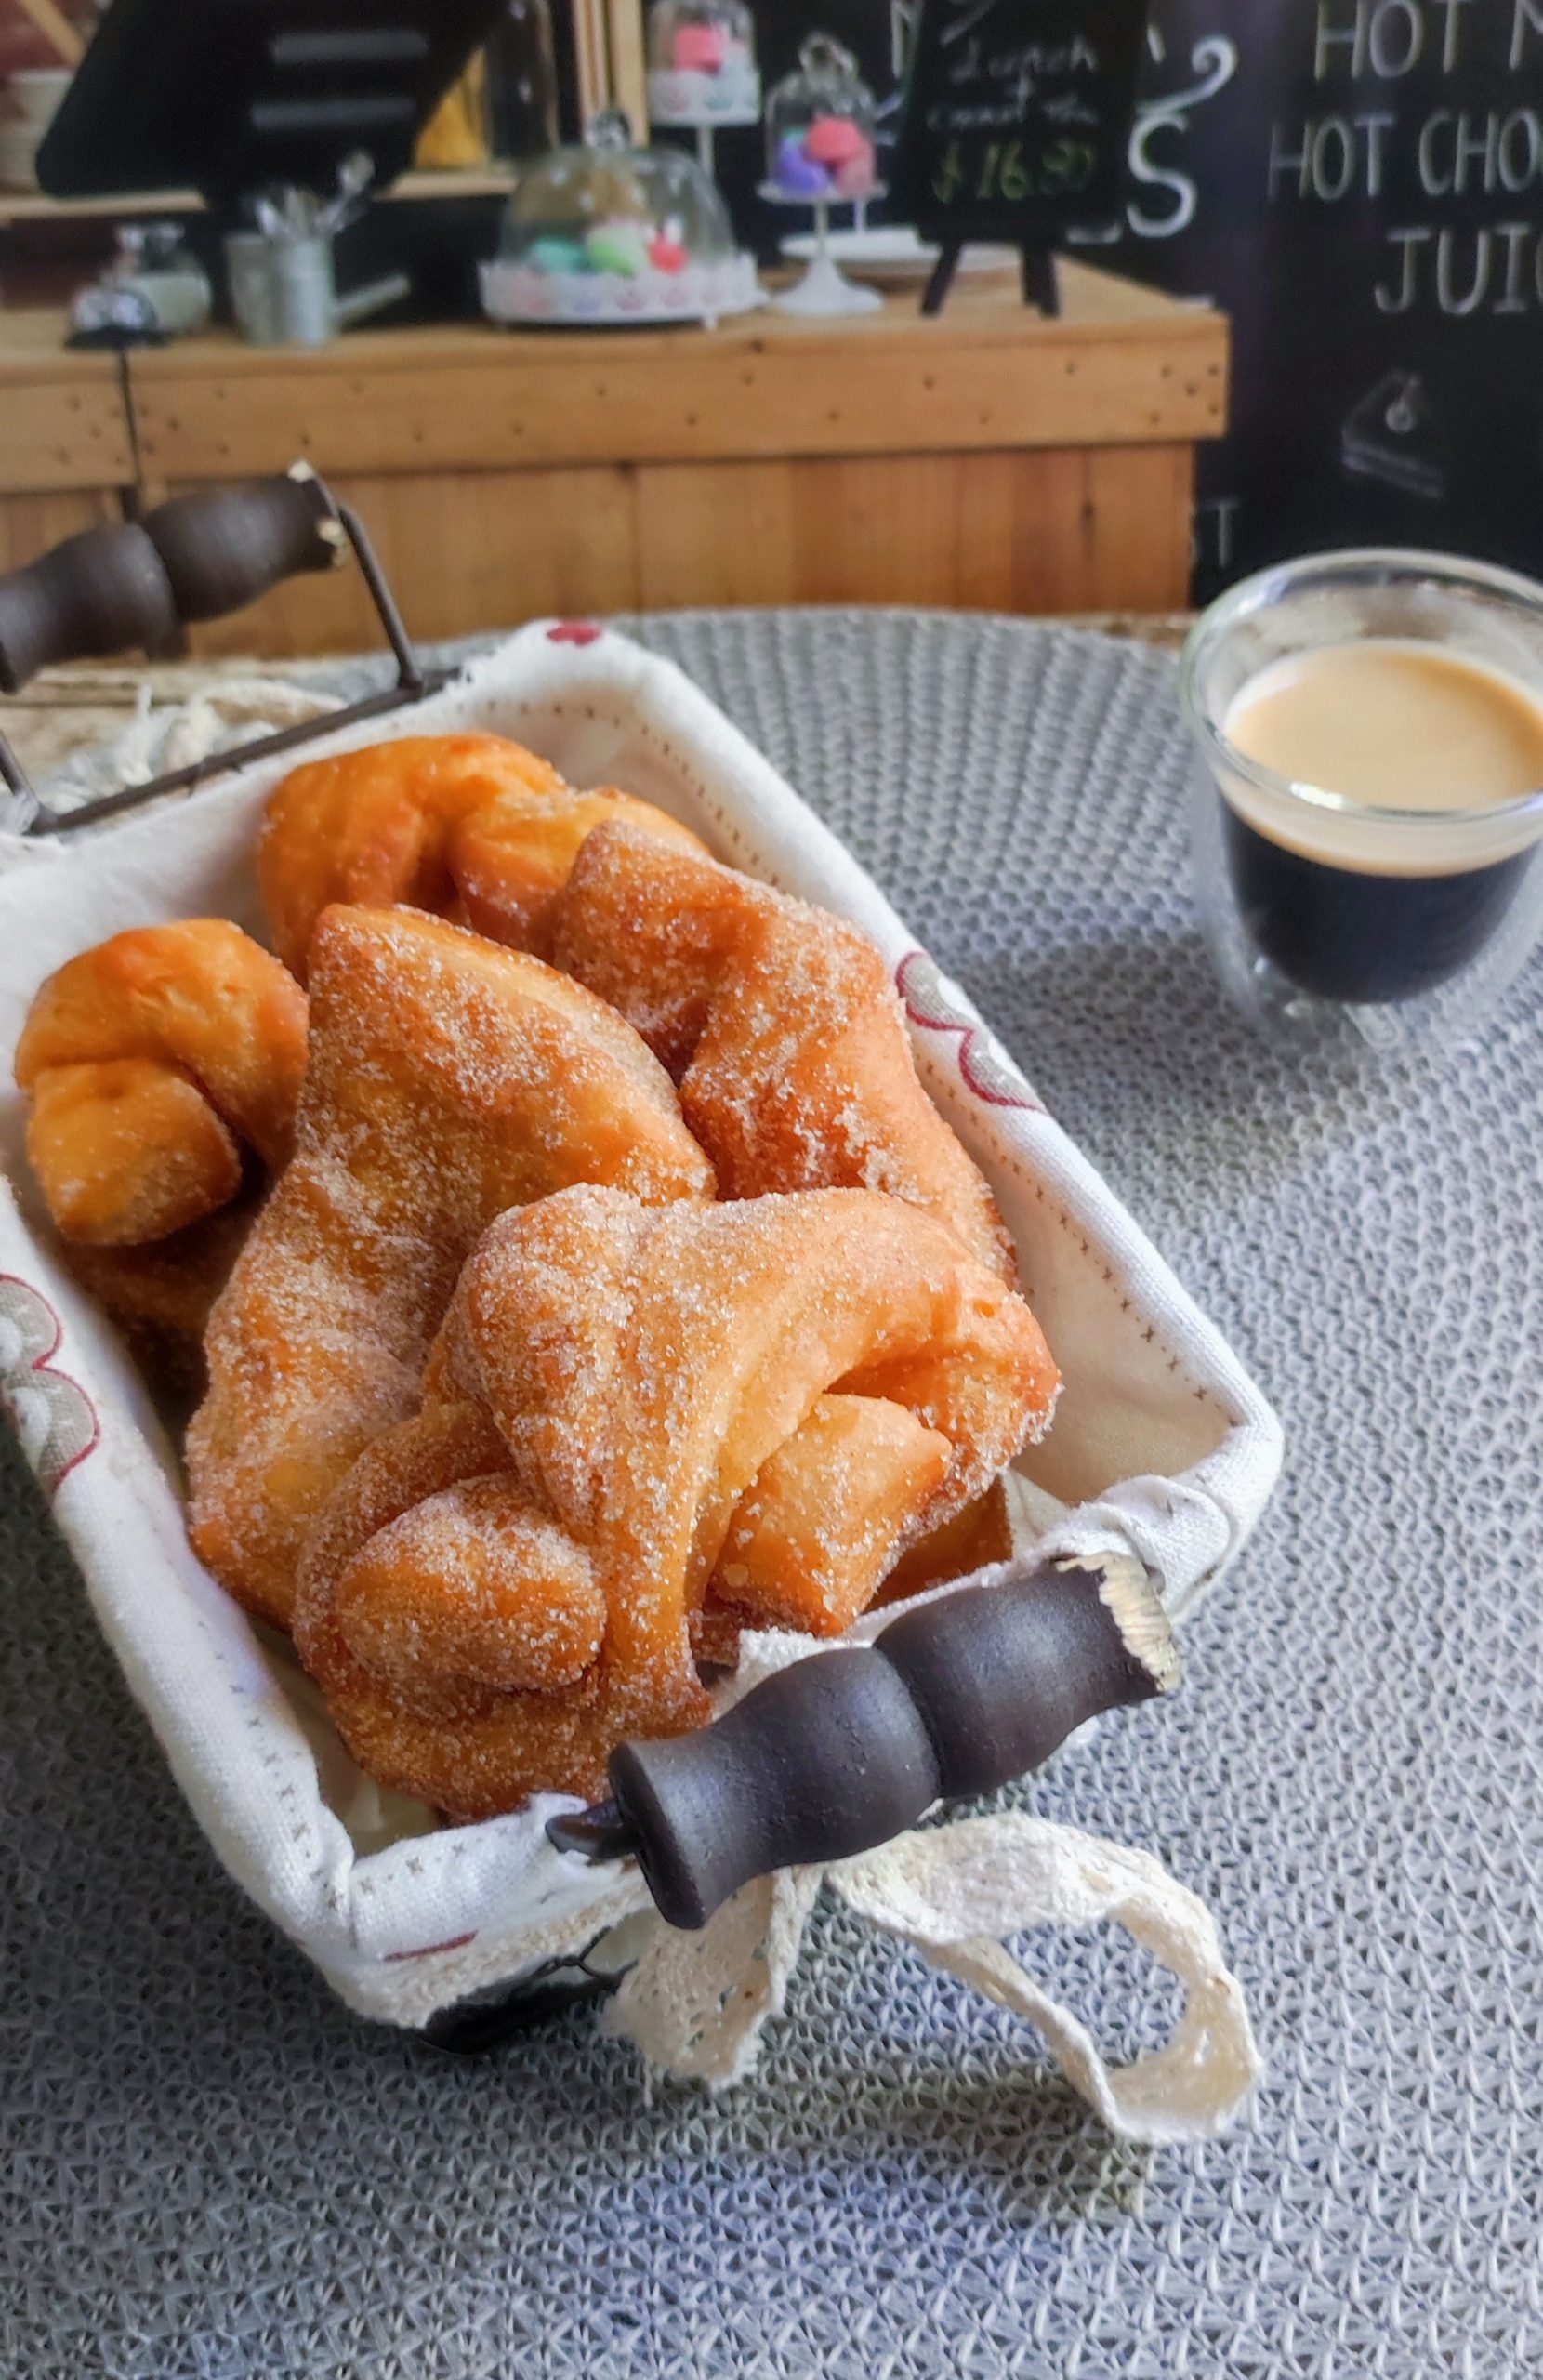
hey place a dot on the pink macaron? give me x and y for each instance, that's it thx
(835, 140)
(700, 49)
(855, 177)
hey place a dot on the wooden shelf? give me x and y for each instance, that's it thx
(36, 207)
(986, 456)
(1122, 366)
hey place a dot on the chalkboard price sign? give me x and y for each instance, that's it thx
(1015, 125)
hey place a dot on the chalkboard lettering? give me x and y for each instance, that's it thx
(1527, 17)
(1017, 117)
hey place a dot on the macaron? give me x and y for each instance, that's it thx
(699, 49)
(548, 255)
(798, 174)
(834, 140)
(666, 254)
(617, 247)
(855, 177)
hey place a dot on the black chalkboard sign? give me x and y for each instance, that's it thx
(1016, 126)
(1359, 183)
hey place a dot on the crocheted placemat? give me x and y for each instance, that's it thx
(211, 2169)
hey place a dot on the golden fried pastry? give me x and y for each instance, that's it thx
(512, 860)
(447, 1081)
(970, 1540)
(503, 1586)
(818, 1528)
(161, 1295)
(780, 1026)
(155, 1062)
(472, 827)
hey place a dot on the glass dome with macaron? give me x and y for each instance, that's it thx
(820, 134)
(822, 152)
(603, 234)
(702, 63)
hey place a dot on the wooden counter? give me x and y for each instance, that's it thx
(986, 458)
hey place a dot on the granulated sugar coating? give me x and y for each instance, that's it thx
(627, 1389)
(780, 1025)
(473, 827)
(447, 1081)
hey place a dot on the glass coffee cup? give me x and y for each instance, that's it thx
(1368, 812)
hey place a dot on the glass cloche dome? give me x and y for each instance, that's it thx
(604, 233)
(702, 63)
(819, 127)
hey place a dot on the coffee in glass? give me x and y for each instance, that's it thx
(1370, 804)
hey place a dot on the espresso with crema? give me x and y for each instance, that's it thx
(1343, 907)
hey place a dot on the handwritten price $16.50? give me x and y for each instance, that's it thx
(1000, 171)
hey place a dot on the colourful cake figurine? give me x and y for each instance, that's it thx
(702, 64)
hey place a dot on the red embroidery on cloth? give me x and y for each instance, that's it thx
(53, 1417)
(989, 1076)
(431, 1950)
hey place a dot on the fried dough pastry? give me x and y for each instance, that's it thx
(815, 1533)
(503, 1586)
(448, 1080)
(161, 1295)
(471, 827)
(780, 1026)
(156, 1063)
(972, 1539)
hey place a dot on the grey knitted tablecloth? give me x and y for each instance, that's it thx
(210, 2168)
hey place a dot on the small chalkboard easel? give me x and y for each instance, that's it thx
(1037, 266)
(1015, 127)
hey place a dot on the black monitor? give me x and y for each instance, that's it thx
(228, 96)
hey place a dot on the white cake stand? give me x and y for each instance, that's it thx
(825, 288)
(674, 106)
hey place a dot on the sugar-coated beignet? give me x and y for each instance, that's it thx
(161, 1295)
(155, 1061)
(640, 1367)
(969, 1540)
(448, 1080)
(473, 827)
(820, 1526)
(512, 860)
(780, 1026)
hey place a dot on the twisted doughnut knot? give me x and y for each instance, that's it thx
(447, 1081)
(503, 1587)
(471, 827)
(780, 1026)
(152, 1060)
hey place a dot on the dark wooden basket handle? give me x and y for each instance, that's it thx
(132, 586)
(844, 1750)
